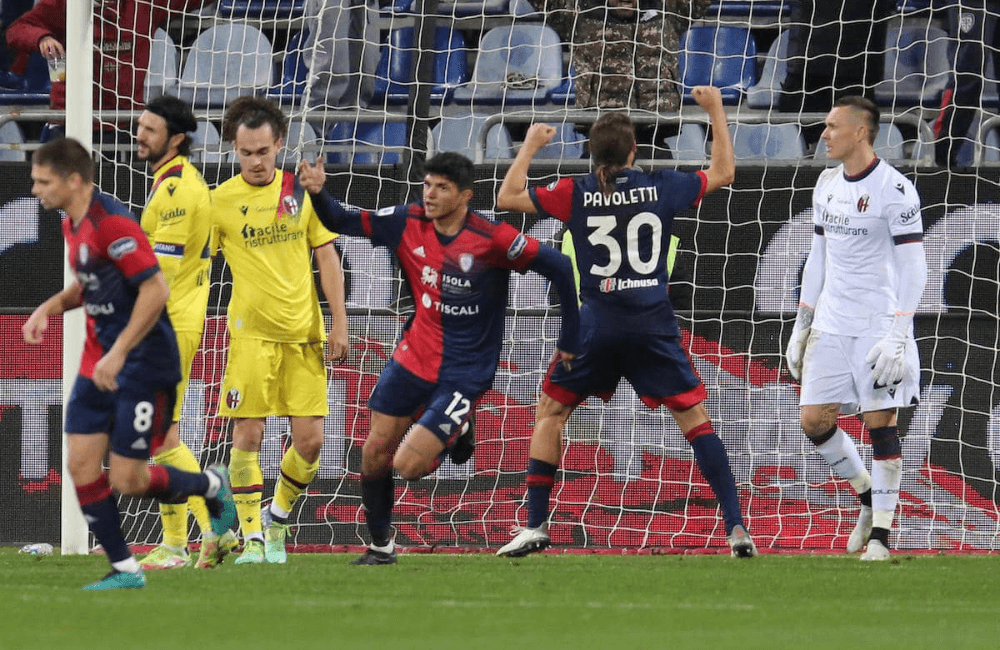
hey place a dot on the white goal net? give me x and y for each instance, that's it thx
(345, 73)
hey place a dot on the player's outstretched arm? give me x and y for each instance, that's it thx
(559, 270)
(34, 328)
(722, 167)
(331, 278)
(513, 192)
(149, 304)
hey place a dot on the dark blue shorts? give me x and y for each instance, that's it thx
(656, 365)
(443, 408)
(136, 417)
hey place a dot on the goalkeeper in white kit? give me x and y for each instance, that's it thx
(852, 346)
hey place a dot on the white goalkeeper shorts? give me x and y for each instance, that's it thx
(834, 371)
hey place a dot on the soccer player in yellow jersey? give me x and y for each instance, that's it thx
(268, 231)
(177, 220)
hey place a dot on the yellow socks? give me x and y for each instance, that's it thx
(248, 487)
(174, 515)
(296, 474)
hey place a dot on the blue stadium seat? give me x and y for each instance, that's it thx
(724, 56)
(33, 88)
(294, 72)
(749, 9)
(461, 9)
(226, 61)
(917, 66)
(10, 133)
(161, 79)
(767, 91)
(394, 74)
(767, 141)
(374, 134)
(262, 9)
(206, 145)
(689, 143)
(461, 135)
(566, 144)
(517, 65)
(565, 93)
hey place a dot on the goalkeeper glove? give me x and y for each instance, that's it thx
(796, 350)
(888, 356)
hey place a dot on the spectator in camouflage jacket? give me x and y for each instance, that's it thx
(625, 52)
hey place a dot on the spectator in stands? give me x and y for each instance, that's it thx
(973, 25)
(835, 48)
(625, 55)
(342, 51)
(9, 12)
(123, 31)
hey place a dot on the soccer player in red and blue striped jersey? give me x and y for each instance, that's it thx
(457, 265)
(621, 220)
(125, 391)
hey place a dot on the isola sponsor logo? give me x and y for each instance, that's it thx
(610, 285)
(449, 310)
(275, 233)
(107, 309)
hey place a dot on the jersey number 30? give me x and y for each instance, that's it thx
(601, 236)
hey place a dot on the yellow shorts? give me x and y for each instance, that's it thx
(267, 378)
(188, 343)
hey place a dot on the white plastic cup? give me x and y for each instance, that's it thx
(57, 69)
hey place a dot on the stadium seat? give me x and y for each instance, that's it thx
(689, 143)
(766, 93)
(294, 72)
(300, 134)
(461, 135)
(226, 61)
(10, 133)
(161, 79)
(394, 74)
(917, 67)
(749, 9)
(33, 88)
(767, 141)
(380, 135)
(565, 93)
(722, 56)
(461, 9)
(261, 9)
(566, 144)
(517, 64)
(206, 145)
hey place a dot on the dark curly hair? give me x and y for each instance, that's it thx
(179, 118)
(253, 113)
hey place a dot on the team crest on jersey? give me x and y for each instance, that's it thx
(465, 261)
(863, 203)
(84, 254)
(429, 276)
(290, 205)
(122, 247)
(233, 398)
(517, 247)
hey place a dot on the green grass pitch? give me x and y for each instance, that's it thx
(552, 600)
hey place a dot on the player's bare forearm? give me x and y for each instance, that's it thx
(513, 192)
(722, 168)
(149, 304)
(34, 328)
(331, 278)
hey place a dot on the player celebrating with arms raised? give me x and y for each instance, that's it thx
(178, 221)
(621, 220)
(457, 265)
(128, 377)
(852, 344)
